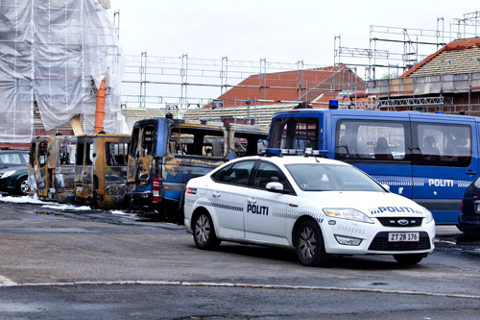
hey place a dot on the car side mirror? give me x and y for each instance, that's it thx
(274, 186)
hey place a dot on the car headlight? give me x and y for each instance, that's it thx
(8, 174)
(428, 215)
(348, 214)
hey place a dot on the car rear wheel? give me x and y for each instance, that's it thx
(409, 258)
(309, 246)
(204, 232)
(22, 187)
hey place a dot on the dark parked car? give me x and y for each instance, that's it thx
(469, 219)
(14, 171)
(14, 180)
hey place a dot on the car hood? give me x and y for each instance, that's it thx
(5, 169)
(373, 204)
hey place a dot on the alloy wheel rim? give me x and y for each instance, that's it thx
(307, 243)
(202, 230)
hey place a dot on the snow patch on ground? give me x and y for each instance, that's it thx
(24, 199)
(48, 205)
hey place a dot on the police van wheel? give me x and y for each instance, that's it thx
(409, 258)
(204, 232)
(309, 245)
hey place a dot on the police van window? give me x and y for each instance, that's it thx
(294, 133)
(116, 154)
(196, 142)
(238, 173)
(443, 144)
(267, 172)
(374, 140)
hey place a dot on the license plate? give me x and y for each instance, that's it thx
(403, 237)
(79, 189)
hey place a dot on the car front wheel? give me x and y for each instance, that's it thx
(309, 245)
(22, 187)
(204, 232)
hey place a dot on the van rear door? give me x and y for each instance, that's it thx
(445, 152)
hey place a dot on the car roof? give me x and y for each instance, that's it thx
(295, 159)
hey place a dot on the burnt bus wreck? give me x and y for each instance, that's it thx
(165, 153)
(101, 170)
(145, 171)
(52, 167)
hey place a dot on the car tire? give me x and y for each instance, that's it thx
(204, 232)
(409, 258)
(309, 245)
(22, 186)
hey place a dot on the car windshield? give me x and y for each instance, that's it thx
(331, 177)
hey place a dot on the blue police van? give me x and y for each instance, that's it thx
(429, 158)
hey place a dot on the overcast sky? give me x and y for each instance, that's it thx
(278, 30)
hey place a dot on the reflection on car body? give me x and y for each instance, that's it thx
(317, 206)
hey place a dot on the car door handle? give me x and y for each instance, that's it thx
(470, 171)
(252, 200)
(216, 194)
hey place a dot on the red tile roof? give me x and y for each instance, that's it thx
(457, 51)
(319, 85)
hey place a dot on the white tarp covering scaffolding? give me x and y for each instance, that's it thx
(55, 53)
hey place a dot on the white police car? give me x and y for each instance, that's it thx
(317, 206)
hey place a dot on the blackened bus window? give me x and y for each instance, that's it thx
(33, 148)
(148, 138)
(246, 144)
(116, 153)
(42, 153)
(375, 140)
(80, 154)
(196, 142)
(134, 141)
(443, 144)
(294, 133)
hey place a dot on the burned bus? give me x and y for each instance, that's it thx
(52, 167)
(101, 170)
(165, 153)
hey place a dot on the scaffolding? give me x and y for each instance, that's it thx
(438, 88)
(393, 50)
(180, 83)
(55, 55)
